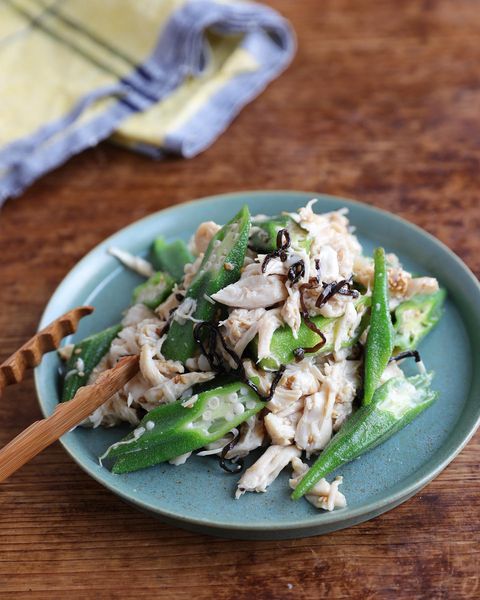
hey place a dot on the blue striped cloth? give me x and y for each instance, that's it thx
(68, 84)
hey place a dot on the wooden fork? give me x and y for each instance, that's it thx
(67, 415)
(30, 354)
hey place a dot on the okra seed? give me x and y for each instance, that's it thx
(149, 425)
(250, 404)
(214, 402)
(238, 408)
(207, 415)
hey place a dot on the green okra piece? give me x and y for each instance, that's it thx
(380, 339)
(173, 429)
(85, 357)
(264, 233)
(263, 238)
(394, 405)
(283, 343)
(170, 257)
(220, 267)
(415, 318)
(154, 291)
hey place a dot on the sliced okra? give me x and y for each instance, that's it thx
(220, 267)
(85, 357)
(170, 257)
(283, 343)
(154, 291)
(174, 429)
(380, 338)
(415, 318)
(394, 405)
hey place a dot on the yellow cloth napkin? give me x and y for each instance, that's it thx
(161, 76)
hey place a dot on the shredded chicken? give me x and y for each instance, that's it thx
(323, 494)
(335, 307)
(346, 326)
(263, 378)
(185, 311)
(111, 413)
(135, 263)
(299, 379)
(329, 268)
(421, 285)
(202, 237)
(256, 291)
(252, 434)
(315, 427)
(241, 327)
(159, 381)
(347, 383)
(170, 390)
(281, 426)
(291, 310)
(330, 229)
(136, 314)
(148, 368)
(266, 469)
(268, 324)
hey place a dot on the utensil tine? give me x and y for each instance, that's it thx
(30, 354)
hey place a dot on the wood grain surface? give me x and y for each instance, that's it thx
(381, 104)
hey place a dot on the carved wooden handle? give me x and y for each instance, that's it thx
(42, 433)
(30, 354)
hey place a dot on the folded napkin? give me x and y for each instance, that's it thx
(160, 76)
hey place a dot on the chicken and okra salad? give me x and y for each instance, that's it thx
(269, 334)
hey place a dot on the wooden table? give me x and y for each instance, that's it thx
(381, 104)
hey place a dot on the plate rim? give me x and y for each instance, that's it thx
(331, 520)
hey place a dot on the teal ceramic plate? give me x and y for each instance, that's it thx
(199, 495)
